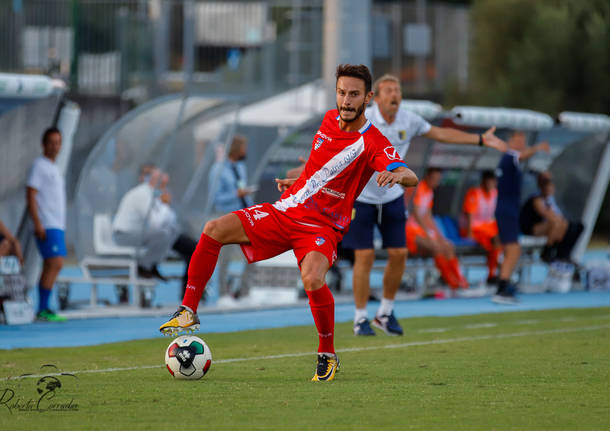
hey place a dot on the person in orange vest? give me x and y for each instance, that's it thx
(424, 236)
(479, 207)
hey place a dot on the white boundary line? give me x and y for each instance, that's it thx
(350, 349)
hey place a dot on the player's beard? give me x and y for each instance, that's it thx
(359, 112)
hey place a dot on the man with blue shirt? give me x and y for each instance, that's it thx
(507, 210)
(46, 203)
(228, 186)
(228, 179)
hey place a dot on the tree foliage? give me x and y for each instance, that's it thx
(548, 55)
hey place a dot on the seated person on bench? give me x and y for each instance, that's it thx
(424, 236)
(540, 216)
(144, 218)
(479, 207)
(9, 245)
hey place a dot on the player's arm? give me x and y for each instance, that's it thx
(296, 172)
(400, 175)
(468, 225)
(33, 211)
(468, 209)
(544, 211)
(455, 136)
(12, 240)
(426, 221)
(530, 151)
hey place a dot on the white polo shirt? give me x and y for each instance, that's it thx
(406, 125)
(49, 183)
(134, 208)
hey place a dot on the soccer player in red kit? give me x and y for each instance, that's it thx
(311, 216)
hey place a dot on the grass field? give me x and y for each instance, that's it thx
(514, 371)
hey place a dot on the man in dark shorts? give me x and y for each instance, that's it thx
(541, 216)
(312, 214)
(507, 211)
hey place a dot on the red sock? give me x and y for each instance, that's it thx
(444, 267)
(201, 268)
(322, 306)
(457, 272)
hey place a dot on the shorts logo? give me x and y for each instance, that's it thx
(320, 240)
(334, 256)
(190, 286)
(318, 144)
(391, 152)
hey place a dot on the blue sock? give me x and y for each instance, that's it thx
(43, 298)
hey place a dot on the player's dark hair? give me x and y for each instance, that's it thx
(432, 169)
(488, 174)
(359, 71)
(49, 132)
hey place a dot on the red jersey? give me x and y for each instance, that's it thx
(339, 166)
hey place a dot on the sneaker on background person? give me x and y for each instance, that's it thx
(363, 327)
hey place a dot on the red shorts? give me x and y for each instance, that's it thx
(272, 232)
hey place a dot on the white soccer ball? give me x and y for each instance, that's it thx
(188, 358)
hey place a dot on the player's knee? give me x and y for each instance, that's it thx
(397, 255)
(213, 229)
(312, 281)
(56, 263)
(365, 257)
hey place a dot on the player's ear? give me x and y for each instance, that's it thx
(368, 97)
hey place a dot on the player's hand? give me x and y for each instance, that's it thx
(18, 252)
(283, 185)
(243, 192)
(492, 141)
(40, 233)
(166, 197)
(387, 178)
(544, 146)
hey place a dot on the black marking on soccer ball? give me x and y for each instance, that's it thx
(186, 355)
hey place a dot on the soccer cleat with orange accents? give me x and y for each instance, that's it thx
(328, 366)
(183, 320)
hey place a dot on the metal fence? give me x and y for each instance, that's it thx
(140, 48)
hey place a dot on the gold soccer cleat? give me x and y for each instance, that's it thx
(182, 321)
(328, 365)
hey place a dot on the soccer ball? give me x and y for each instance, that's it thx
(188, 357)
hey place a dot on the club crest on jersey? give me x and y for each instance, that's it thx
(402, 135)
(391, 152)
(318, 144)
(320, 240)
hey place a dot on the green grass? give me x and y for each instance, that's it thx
(552, 372)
